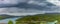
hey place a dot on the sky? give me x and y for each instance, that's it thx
(8, 1)
(32, 10)
(56, 2)
(19, 11)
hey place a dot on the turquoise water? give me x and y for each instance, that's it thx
(6, 20)
(50, 23)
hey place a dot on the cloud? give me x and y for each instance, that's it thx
(12, 1)
(40, 8)
(8, 1)
(56, 2)
(19, 11)
(37, 2)
(22, 11)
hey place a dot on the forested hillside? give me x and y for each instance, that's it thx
(39, 17)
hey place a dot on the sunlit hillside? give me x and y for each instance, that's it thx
(39, 17)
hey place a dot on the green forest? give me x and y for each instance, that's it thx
(38, 17)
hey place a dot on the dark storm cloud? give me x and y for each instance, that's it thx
(29, 7)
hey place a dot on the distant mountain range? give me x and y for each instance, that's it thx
(4, 16)
(7, 16)
(3, 23)
(52, 13)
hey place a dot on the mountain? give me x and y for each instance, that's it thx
(52, 13)
(7, 16)
(4, 16)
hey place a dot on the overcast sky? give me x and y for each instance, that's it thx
(22, 11)
(18, 11)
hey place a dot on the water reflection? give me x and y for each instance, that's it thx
(6, 20)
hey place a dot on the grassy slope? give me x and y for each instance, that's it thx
(40, 17)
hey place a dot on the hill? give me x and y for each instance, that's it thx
(7, 16)
(39, 17)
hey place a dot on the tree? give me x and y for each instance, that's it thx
(40, 17)
(10, 22)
